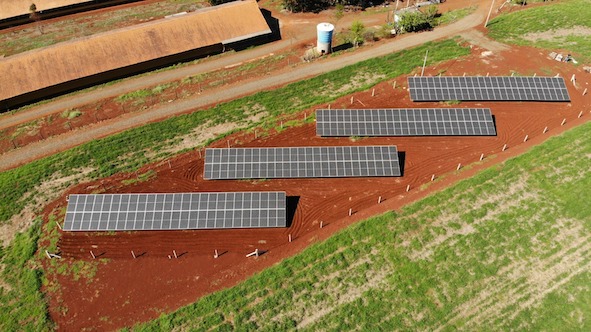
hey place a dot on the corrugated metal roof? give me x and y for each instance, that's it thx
(14, 8)
(64, 62)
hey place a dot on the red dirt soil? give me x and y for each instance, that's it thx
(126, 291)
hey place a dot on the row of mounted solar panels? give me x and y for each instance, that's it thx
(132, 212)
(405, 122)
(347, 161)
(128, 212)
(301, 162)
(494, 88)
(487, 82)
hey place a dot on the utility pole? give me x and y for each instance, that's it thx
(489, 12)
(424, 62)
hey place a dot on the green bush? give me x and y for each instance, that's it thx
(357, 33)
(419, 21)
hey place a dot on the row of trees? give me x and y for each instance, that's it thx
(297, 6)
(319, 5)
(218, 2)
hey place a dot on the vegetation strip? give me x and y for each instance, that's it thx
(507, 249)
(23, 306)
(563, 25)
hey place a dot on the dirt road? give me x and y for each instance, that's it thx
(60, 143)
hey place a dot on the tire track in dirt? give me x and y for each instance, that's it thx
(194, 170)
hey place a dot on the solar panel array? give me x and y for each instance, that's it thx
(134, 212)
(301, 162)
(500, 88)
(405, 122)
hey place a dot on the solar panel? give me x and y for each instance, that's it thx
(405, 122)
(502, 88)
(135, 212)
(301, 162)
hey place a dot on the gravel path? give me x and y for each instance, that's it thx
(60, 143)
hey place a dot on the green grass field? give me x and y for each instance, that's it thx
(22, 306)
(509, 249)
(564, 25)
(454, 15)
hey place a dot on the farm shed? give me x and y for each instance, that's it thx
(14, 12)
(71, 65)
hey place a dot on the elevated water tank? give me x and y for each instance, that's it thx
(324, 31)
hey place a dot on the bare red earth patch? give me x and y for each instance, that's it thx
(126, 291)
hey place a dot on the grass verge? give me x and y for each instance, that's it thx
(508, 249)
(23, 306)
(454, 15)
(563, 25)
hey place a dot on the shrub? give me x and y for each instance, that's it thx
(369, 36)
(357, 33)
(419, 21)
(385, 31)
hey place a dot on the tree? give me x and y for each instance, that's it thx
(320, 5)
(296, 6)
(357, 30)
(430, 13)
(339, 12)
(34, 15)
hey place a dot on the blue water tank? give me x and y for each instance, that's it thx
(324, 31)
